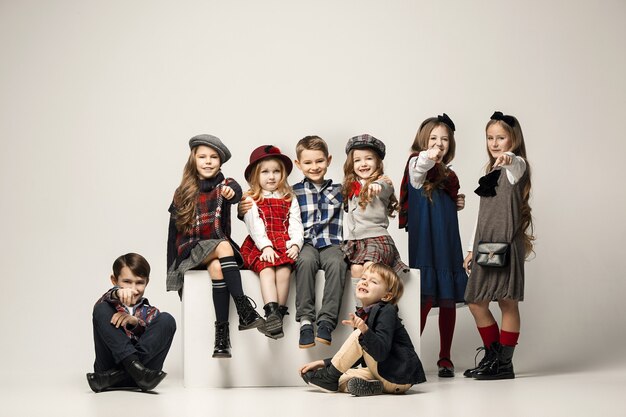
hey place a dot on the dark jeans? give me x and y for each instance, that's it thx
(112, 345)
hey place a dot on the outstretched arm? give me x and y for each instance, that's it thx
(514, 165)
(419, 166)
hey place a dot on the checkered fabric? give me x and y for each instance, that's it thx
(275, 215)
(212, 217)
(375, 249)
(143, 311)
(321, 212)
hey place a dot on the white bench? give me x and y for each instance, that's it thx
(258, 360)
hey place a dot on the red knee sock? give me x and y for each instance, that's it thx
(426, 306)
(447, 320)
(489, 334)
(508, 338)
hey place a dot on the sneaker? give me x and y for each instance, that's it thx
(325, 378)
(307, 337)
(362, 387)
(324, 330)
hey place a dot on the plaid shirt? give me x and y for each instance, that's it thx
(321, 212)
(143, 311)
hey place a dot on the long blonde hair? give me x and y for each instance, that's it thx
(186, 195)
(256, 192)
(349, 177)
(518, 147)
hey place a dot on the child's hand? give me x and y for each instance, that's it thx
(374, 189)
(435, 153)
(503, 159)
(122, 319)
(227, 192)
(467, 262)
(460, 202)
(311, 366)
(244, 206)
(356, 322)
(126, 295)
(293, 251)
(268, 255)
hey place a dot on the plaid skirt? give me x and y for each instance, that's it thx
(251, 257)
(202, 249)
(374, 249)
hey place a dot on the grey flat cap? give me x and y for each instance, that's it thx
(365, 142)
(212, 142)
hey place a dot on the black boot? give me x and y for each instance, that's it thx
(499, 368)
(146, 379)
(490, 355)
(99, 381)
(248, 317)
(325, 378)
(273, 321)
(222, 340)
(283, 311)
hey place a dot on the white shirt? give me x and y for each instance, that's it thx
(256, 227)
(419, 167)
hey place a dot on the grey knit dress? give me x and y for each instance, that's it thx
(498, 219)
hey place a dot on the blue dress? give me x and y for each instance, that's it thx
(435, 247)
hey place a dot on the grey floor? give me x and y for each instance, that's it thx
(591, 393)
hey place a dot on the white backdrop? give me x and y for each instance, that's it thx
(99, 99)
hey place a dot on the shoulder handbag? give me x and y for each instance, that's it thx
(492, 254)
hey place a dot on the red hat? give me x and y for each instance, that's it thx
(264, 152)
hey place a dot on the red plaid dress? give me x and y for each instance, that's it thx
(275, 215)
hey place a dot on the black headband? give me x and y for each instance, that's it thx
(446, 120)
(509, 120)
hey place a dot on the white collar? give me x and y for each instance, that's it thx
(272, 194)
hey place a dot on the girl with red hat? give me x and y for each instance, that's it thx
(275, 229)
